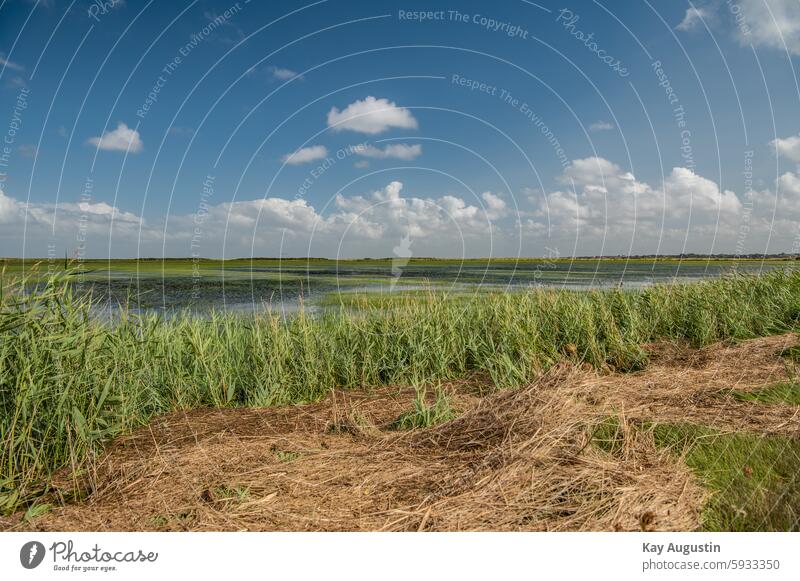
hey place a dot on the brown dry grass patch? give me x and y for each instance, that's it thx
(513, 460)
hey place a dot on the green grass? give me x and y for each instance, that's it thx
(284, 456)
(68, 383)
(755, 481)
(238, 493)
(792, 354)
(425, 415)
(784, 392)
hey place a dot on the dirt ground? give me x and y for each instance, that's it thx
(512, 460)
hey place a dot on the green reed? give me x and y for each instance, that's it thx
(70, 381)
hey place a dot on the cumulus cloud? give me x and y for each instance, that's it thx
(371, 116)
(693, 18)
(123, 138)
(595, 206)
(306, 155)
(68, 226)
(273, 72)
(17, 82)
(283, 74)
(788, 147)
(69, 213)
(391, 151)
(9, 209)
(601, 126)
(443, 220)
(5, 63)
(603, 201)
(495, 206)
(28, 150)
(769, 23)
(788, 198)
(354, 225)
(783, 206)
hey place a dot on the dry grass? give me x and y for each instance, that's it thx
(696, 386)
(513, 460)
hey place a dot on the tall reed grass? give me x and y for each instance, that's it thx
(69, 382)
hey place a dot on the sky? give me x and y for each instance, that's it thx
(350, 129)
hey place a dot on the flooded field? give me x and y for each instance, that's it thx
(244, 285)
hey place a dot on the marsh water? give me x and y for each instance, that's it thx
(317, 286)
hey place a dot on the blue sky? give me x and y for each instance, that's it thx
(337, 128)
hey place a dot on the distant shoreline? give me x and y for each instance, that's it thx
(505, 259)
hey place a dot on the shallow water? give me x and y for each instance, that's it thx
(284, 290)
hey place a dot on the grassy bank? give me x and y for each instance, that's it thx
(68, 383)
(752, 479)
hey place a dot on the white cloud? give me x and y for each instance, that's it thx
(385, 213)
(123, 138)
(789, 183)
(593, 171)
(360, 225)
(9, 209)
(604, 201)
(785, 206)
(788, 147)
(5, 63)
(393, 151)
(12, 210)
(273, 72)
(693, 18)
(361, 164)
(306, 155)
(371, 116)
(28, 151)
(597, 206)
(17, 82)
(495, 206)
(283, 74)
(788, 200)
(769, 23)
(601, 126)
(685, 191)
